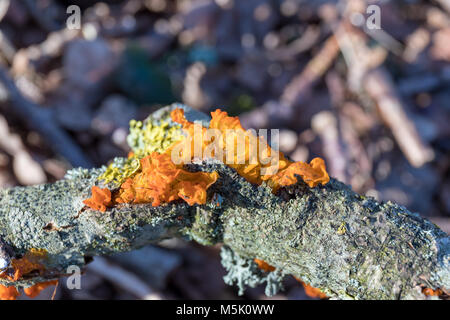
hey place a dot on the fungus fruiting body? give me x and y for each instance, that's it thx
(161, 181)
(309, 290)
(31, 262)
(11, 292)
(226, 135)
(35, 290)
(264, 265)
(154, 172)
(100, 199)
(8, 293)
(433, 293)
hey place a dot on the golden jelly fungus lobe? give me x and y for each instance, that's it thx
(243, 150)
(8, 293)
(264, 265)
(162, 181)
(311, 291)
(100, 199)
(36, 289)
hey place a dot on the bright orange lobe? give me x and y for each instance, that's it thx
(35, 290)
(8, 293)
(100, 199)
(264, 265)
(249, 155)
(161, 181)
(311, 291)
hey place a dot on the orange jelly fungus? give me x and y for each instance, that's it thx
(11, 293)
(100, 199)
(161, 181)
(282, 173)
(31, 261)
(264, 265)
(35, 290)
(430, 292)
(311, 291)
(8, 293)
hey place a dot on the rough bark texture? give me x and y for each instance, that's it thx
(350, 246)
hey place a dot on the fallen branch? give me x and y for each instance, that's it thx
(123, 279)
(366, 75)
(348, 245)
(42, 120)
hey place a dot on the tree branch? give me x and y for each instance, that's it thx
(349, 246)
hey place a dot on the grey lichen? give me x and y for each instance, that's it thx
(245, 273)
(85, 174)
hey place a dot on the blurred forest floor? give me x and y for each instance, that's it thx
(374, 103)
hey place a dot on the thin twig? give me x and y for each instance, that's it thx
(41, 119)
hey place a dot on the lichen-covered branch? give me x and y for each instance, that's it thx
(349, 246)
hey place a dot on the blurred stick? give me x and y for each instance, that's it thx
(378, 84)
(123, 279)
(326, 126)
(353, 149)
(41, 120)
(365, 73)
(444, 4)
(300, 86)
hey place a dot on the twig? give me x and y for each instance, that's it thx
(300, 86)
(379, 86)
(123, 279)
(41, 119)
(445, 4)
(377, 83)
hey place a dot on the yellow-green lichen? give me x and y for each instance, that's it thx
(148, 137)
(119, 170)
(342, 229)
(144, 138)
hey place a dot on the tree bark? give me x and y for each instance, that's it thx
(348, 245)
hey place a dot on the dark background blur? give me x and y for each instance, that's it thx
(371, 96)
